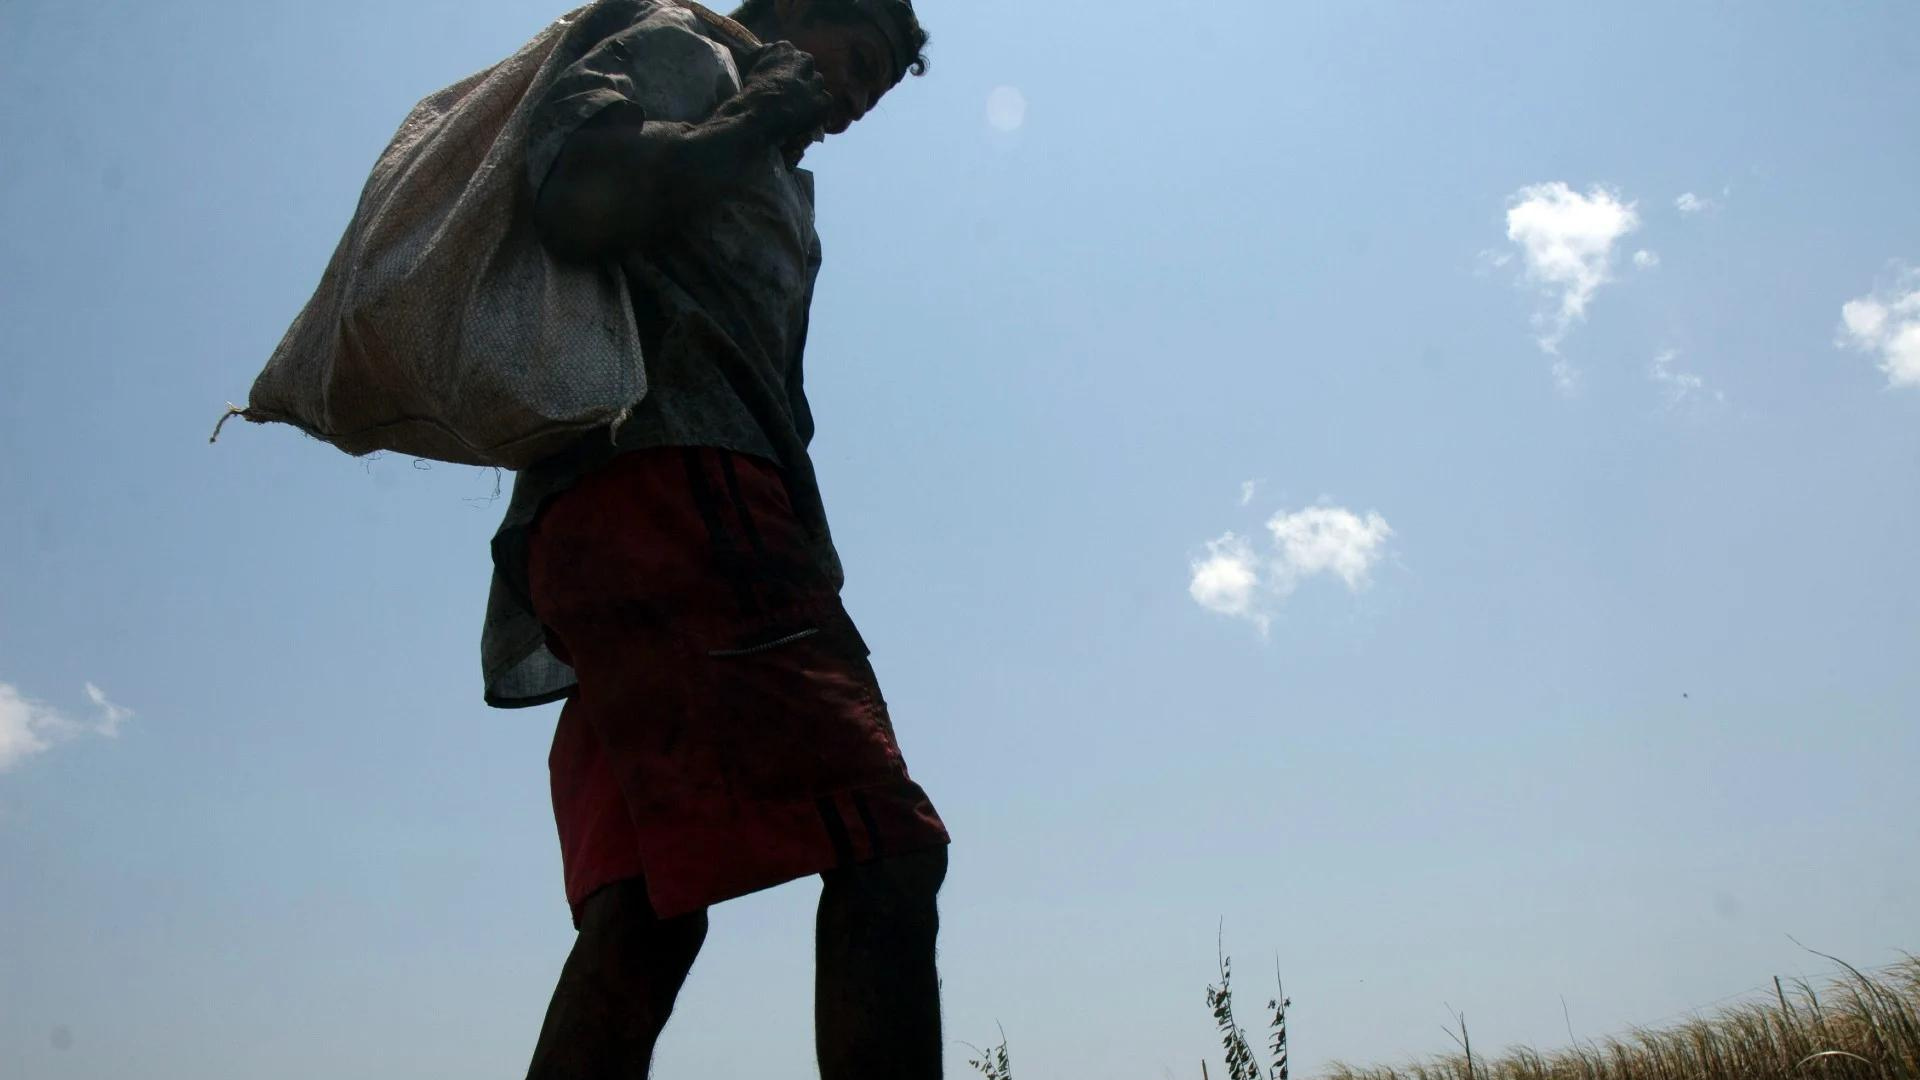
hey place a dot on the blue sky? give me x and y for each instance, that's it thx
(1563, 648)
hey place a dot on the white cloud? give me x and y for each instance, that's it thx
(1566, 240)
(23, 725)
(1006, 108)
(1247, 488)
(1233, 579)
(1567, 377)
(1226, 581)
(111, 715)
(1330, 540)
(1680, 387)
(1646, 260)
(1690, 204)
(1886, 323)
(29, 727)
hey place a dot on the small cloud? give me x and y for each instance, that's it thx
(111, 715)
(1227, 580)
(1247, 488)
(1566, 241)
(1680, 387)
(1689, 203)
(24, 727)
(1329, 540)
(1006, 108)
(29, 727)
(1567, 377)
(1646, 260)
(1233, 579)
(1886, 324)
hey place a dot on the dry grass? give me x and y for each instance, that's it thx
(1861, 1027)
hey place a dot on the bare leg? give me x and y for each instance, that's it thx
(876, 992)
(617, 988)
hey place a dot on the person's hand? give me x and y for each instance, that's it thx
(787, 97)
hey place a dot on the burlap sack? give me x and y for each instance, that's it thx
(442, 328)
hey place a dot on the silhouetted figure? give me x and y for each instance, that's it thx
(723, 730)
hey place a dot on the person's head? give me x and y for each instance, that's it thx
(862, 48)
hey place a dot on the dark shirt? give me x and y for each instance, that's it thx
(721, 304)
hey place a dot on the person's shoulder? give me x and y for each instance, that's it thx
(673, 24)
(665, 13)
(677, 62)
(726, 37)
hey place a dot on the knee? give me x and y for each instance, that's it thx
(620, 920)
(902, 883)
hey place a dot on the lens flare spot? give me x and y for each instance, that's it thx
(1006, 108)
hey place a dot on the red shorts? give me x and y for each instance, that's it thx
(727, 733)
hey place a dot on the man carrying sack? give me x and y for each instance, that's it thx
(676, 582)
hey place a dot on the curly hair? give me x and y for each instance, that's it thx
(914, 36)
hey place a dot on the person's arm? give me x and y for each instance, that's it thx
(620, 176)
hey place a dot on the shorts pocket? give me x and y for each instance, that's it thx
(767, 646)
(797, 716)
